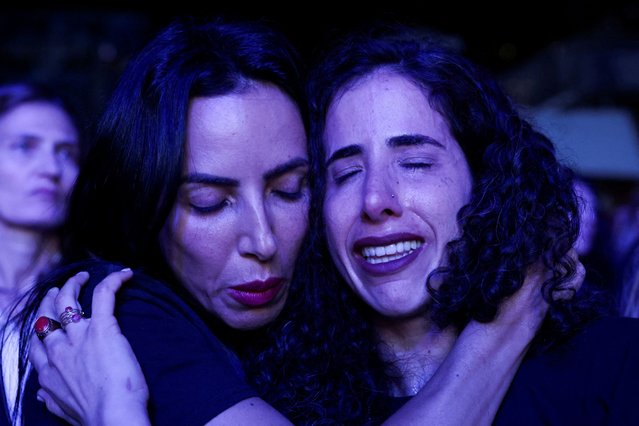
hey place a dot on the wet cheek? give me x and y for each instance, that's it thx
(331, 236)
(331, 219)
(337, 236)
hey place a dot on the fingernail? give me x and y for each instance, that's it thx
(126, 269)
(39, 398)
(82, 273)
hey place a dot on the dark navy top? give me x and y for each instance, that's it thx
(591, 379)
(192, 377)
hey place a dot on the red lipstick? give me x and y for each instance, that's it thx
(257, 293)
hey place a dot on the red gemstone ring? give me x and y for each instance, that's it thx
(45, 325)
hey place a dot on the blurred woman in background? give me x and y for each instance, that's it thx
(39, 156)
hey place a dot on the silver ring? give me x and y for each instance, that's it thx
(71, 315)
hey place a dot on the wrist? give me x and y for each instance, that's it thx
(119, 412)
(492, 339)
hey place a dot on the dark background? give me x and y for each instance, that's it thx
(83, 49)
(559, 54)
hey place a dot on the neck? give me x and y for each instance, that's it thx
(25, 255)
(416, 348)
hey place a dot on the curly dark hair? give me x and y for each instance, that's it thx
(522, 209)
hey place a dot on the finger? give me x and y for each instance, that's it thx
(569, 288)
(43, 396)
(67, 303)
(47, 309)
(45, 326)
(37, 354)
(70, 292)
(104, 293)
(47, 305)
(580, 275)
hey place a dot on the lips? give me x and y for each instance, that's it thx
(48, 193)
(387, 254)
(257, 293)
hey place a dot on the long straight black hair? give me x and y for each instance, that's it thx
(133, 169)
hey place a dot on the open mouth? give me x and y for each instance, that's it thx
(387, 253)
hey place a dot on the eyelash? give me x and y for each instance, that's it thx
(286, 196)
(417, 165)
(294, 195)
(289, 196)
(344, 177)
(211, 209)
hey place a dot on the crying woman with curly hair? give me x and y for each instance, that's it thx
(434, 198)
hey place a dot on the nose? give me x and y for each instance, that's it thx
(257, 238)
(49, 164)
(381, 199)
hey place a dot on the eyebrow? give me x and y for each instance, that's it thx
(347, 151)
(210, 180)
(280, 170)
(37, 138)
(392, 142)
(412, 140)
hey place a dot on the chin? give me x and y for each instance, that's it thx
(45, 225)
(254, 320)
(400, 309)
(250, 325)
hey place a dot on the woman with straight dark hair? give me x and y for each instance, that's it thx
(197, 181)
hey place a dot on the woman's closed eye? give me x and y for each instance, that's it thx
(344, 174)
(416, 163)
(206, 199)
(290, 188)
(210, 208)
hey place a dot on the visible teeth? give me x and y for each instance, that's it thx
(382, 254)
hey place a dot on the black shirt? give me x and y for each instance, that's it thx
(590, 379)
(192, 376)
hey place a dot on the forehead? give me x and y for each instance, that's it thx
(235, 132)
(38, 117)
(382, 105)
